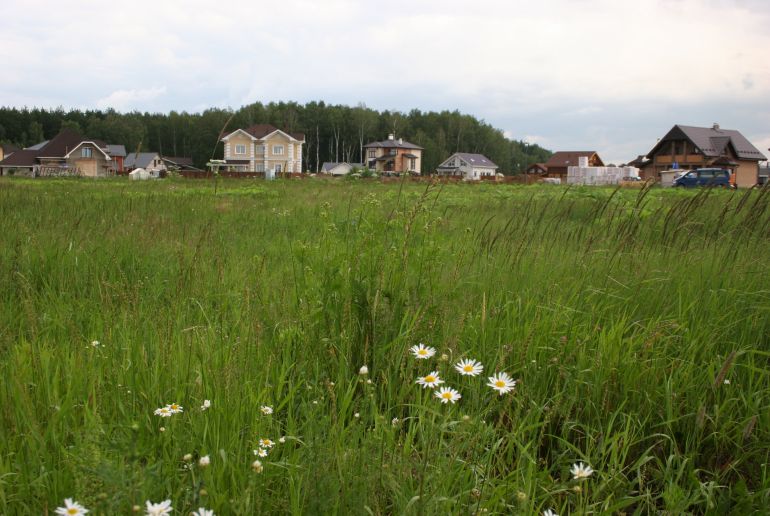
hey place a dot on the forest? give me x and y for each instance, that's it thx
(332, 132)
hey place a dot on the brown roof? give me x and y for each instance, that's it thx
(9, 148)
(541, 166)
(393, 144)
(20, 158)
(64, 142)
(570, 158)
(712, 141)
(262, 130)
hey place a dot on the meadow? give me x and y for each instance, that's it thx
(635, 323)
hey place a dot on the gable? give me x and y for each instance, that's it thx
(237, 132)
(87, 144)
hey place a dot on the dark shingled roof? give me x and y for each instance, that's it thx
(61, 144)
(712, 141)
(570, 158)
(261, 130)
(21, 158)
(393, 144)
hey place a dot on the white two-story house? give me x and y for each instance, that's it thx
(263, 148)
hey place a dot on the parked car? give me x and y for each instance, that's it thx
(704, 177)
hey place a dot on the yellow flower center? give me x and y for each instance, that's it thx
(72, 510)
(430, 379)
(422, 352)
(447, 395)
(468, 368)
(500, 384)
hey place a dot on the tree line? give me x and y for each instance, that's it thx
(332, 132)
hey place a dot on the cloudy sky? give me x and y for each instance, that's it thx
(609, 75)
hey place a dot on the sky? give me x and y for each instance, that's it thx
(605, 75)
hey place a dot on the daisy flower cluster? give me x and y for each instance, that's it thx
(500, 382)
(264, 447)
(169, 410)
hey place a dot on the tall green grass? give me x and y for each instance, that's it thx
(636, 323)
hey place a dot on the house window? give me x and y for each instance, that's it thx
(371, 153)
(85, 152)
(240, 149)
(278, 150)
(278, 168)
(259, 167)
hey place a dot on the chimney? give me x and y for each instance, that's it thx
(391, 136)
(716, 126)
(400, 141)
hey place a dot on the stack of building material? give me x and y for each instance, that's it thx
(599, 176)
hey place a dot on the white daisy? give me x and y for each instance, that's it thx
(422, 351)
(581, 471)
(502, 383)
(549, 512)
(204, 461)
(206, 404)
(262, 452)
(174, 408)
(469, 367)
(363, 371)
(257, 466)
(163, 412)
(95, 343)
(448, 395)
(159, 509)
(430, 380)
(266, 409)
(281, 440)
(208, 512)
(71, 508)
(266, 443)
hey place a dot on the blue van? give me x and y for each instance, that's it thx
(704, 177)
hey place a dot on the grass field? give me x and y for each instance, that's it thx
(635, 323)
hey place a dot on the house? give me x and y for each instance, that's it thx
(557, 165)
(393, 156)
(339, 169)
(472, 167)
(149, 161)
(687, 147)
(537, 169)
(67, 153)
(263, 148)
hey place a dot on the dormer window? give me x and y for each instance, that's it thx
(86, 152)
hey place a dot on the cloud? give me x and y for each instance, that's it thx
(577, 73)
(122, 100)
